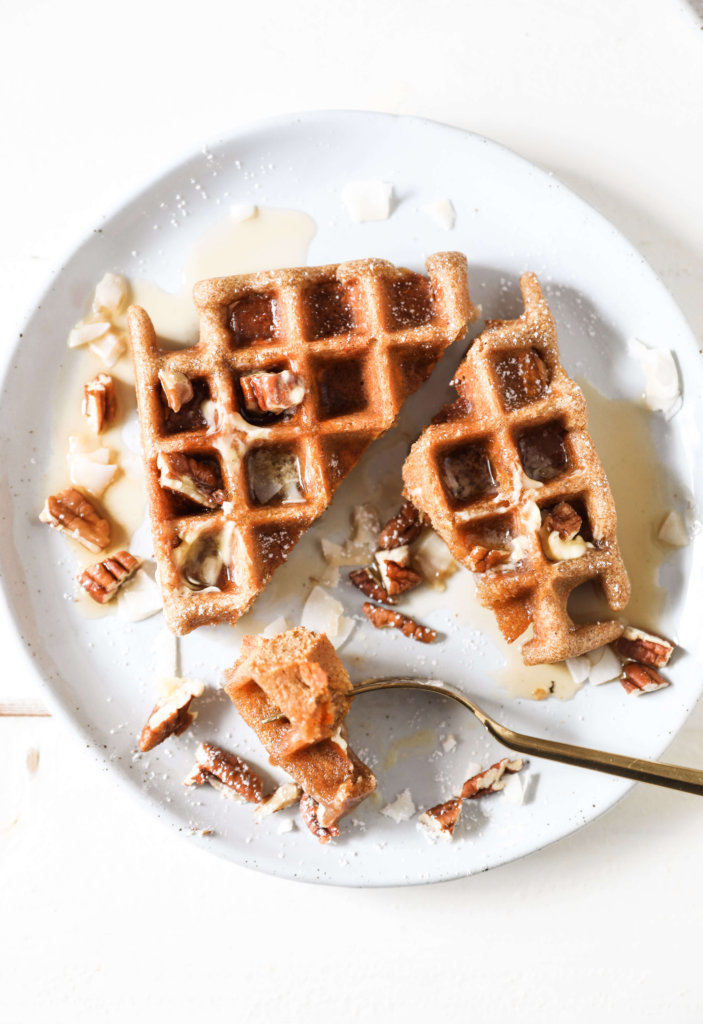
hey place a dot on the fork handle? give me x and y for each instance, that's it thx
(672, 776)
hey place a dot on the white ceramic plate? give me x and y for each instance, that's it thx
(99, 675)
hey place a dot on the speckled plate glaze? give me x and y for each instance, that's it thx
(98, 675)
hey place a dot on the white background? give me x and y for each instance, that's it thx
(103, 915)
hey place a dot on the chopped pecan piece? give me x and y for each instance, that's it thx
(640, 679)
(227, 773)
(384, 618)
(401, 578)
(564, 519)
(72, 513)
(103, 580)
(171, 715)
(285, 796)
(177, 388)
(197, 479)
(308, 809)
(369, 585)
(272, 392)
(533, 375)
(482, 559)
(636, 645)
(99, 402)
(396, 574)
(441, 820)
(490, 780)
(402, 529)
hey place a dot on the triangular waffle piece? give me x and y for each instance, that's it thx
(230, 491)
(507, 467)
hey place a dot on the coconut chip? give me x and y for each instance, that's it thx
(323, 614)
(400, 809)
(360, 548)
(433, 560)
(368, 200)
(442, 213)
(139, 599)
(673, 531)
(605, 666)
(663, 388)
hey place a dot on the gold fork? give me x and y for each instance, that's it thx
(673, 776)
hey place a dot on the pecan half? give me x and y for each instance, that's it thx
(73, 514)
(197, 480)
(400, 578)
(384, 618)
(402, 529)
(564, 519)
(482, 559)
(171, 715)
(103, 580)
(178, 389)
(366, 582)
(285, 796)
(640, 679)
(227, 773)
(99, 402)
(272, 392)
(490, 780)
(308, 809)
(636, 645)
(397, 575)
(441, 820)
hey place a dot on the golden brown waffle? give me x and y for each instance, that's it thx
(362, 336)
(293, 691)
(491, 467)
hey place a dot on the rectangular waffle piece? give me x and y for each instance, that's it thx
(509, 477)
(247, 434)
(293, 691)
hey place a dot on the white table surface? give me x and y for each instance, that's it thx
(103, 916)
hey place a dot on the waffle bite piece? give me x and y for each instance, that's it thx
(293, 691)
(247, 434)
(509, 477)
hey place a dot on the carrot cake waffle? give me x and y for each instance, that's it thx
(247, 434)
(509, 478)
(293, 691)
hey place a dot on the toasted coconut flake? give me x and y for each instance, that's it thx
(663, 388)
(140, 599)
(92, 470)
(605, 667)
(400, 809)
(434, 561)
(111, 294)
(87, 331)
(109, 348)
(368, 200)
(323, 614)
(673, 530)
(442, 213)
(579, 668)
